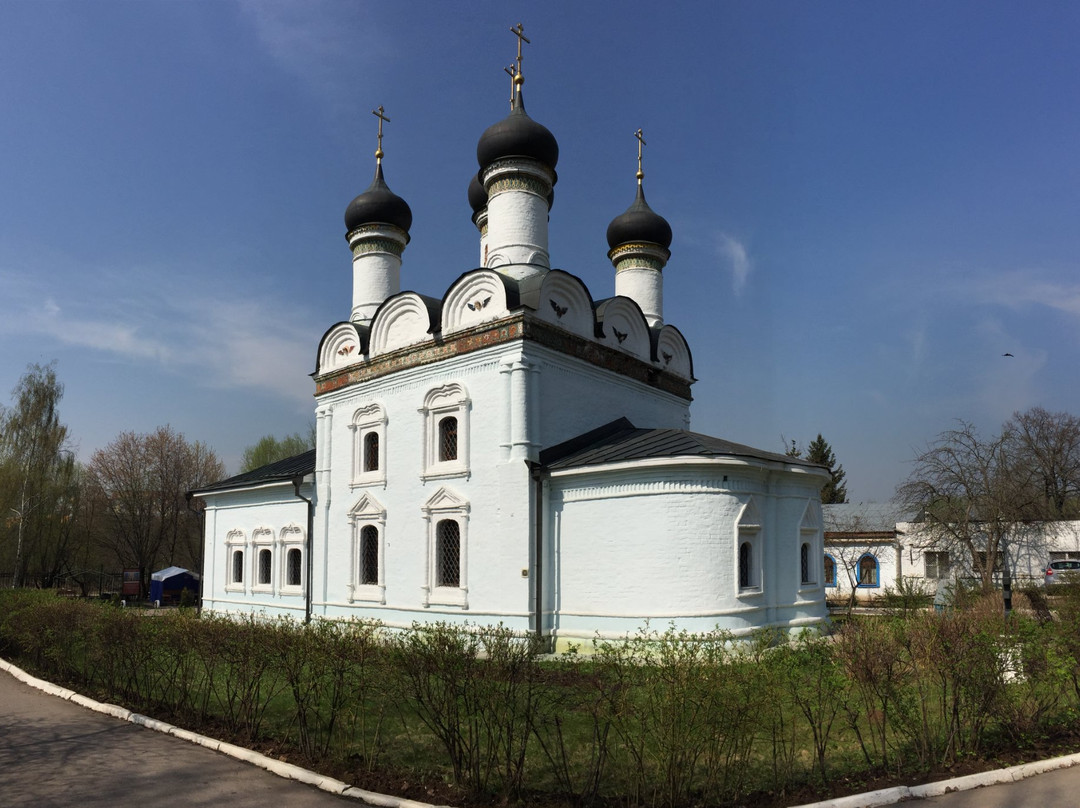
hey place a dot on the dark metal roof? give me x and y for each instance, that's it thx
(517, 135)
(620, 441)
(278, 471)
(378, 204)
(639, 222)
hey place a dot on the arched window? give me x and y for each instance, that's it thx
(868, 571)
(238, 566)
(446, 432)
(447, 553)
(369, 555)
(448, 443)
(830, 571)
(265, 560)
(804, 564)
(750, 552)
(746, 559)
(293, 567)
(371, 451)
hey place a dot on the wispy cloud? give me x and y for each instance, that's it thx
(1021, 287)
(237, 343)
(326, 44)
(733, 253)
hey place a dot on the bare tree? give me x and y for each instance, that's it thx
(142, 480)
(979, 495)
(1049, 442)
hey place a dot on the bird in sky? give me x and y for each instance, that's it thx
(1006, 354)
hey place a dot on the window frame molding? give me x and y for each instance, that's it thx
(367, 511)
(450, 399)
(748, 530)
(235, 542)
(262, 538)
(287, 543)
(443, 505)
(811, 541)
(366, 420)
(825, 571)
(940, 555)
(877, 572)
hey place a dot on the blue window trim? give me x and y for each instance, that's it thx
(834, 571)
(877, 572)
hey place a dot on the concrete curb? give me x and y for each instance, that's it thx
(891, 796)
(281, 769)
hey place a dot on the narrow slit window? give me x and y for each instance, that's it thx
(448, 554)
(369, 555)
(265, 560)
(293, 573)
(804, 563)
(448, 442)
(371, 451)
(238, 566)
(745, 561)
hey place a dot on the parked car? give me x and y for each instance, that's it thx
(1062, 572)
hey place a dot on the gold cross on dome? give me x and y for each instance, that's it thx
(519, 32)
(378, 113)
(640, 143)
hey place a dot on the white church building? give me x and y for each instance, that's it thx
(516, 451)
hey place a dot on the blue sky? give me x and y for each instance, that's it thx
(871, 202)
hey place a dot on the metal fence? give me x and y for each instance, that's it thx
(80, 584)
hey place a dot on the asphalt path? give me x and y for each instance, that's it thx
(58, 754)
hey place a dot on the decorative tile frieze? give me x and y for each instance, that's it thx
(517, 327)
(367, 246)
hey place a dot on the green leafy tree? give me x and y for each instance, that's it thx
(270, 449)
(819, 451)
(38, 476)
(834, 491)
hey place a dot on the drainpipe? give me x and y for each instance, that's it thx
(537, 474)
(189, 496)
(297, 481)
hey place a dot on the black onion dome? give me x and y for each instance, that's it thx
(517, 135)
(378, 205)
(478, 197)
(639, 223)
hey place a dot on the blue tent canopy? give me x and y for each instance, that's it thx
(167, 584)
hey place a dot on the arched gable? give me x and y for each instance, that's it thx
(476, 297)
(565, 302)
(402, 320)
(292, 532)
(672, 352)
(811, 519)
(750, 516)
(341, 346)
(373, 413)
(624, 327)
(450, 394)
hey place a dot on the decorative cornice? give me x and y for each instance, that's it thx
(519, 182)
(516, 327)
(384, 235)
(638, 255)
(377, 245)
